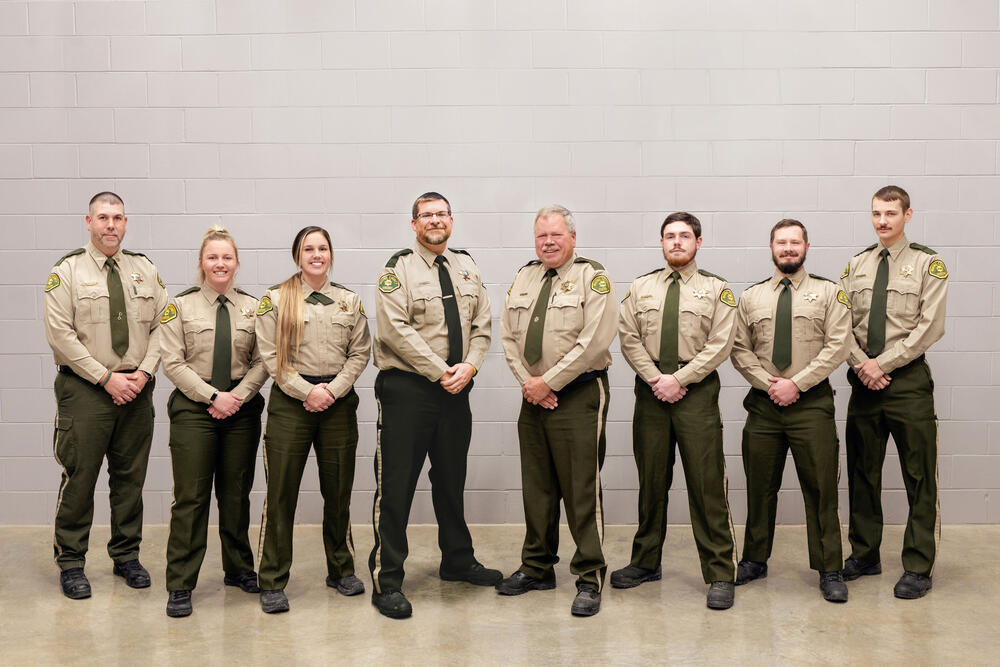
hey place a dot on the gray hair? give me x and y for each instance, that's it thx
(554, 209)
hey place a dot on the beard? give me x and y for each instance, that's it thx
(679, 261)
(435, 236)
(789, 265)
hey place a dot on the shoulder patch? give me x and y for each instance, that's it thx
(711, 275)
(727, 297)
(52, 282)
(388, 283)
(391, 263)
(191, 290)
(169, 314)
(847, 271)
(160, 280)
(600, 284)
(597, 265)
(361, 309)
(923, 248)
(627, 295)
(265, 306)
(346, 289)
(78, 251)
(868, 249)
(938, 269)
(842, 298)
(818, 277)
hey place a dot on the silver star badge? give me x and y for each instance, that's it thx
(247, 312)
(811, 296)
(700, 293)
(906, 271)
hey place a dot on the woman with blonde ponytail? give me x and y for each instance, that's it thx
(209, 352)
(315, 343)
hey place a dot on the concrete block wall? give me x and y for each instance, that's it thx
(268, 115)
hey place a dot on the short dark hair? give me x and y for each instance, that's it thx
(683, 216)
(892, 193)
(789, 222)
(108, 197)
(429, 196)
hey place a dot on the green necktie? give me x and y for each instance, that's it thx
(668, 327)
(116, 301)
(533, 337)
(222, 356)
(319, 299)
(876, 315)
(781, 355)
(451, 317)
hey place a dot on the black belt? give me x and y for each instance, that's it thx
(585, 377)
(318, 379)
(66, 370)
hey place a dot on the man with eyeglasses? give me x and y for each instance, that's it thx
(433, 317)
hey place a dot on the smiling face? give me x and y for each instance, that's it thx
(433, 223)
(106, 224)
(680, 244)
(554, 243)
(889, 220)
(219, 264)
(315, 258)
(788, 249)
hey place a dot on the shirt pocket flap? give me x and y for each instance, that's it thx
(468, 287)
(759, 314)
(566, 301)
(95, 291)
(646, 305)
(343, 319)
(425, 292)
(198, 325)
(519, 301)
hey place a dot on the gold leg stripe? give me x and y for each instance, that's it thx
(599, 513)
(937, 500)
(62, 485)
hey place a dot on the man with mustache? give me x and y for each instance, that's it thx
(791, 333)
(899, 290)
(676, 326)
(102, 315)
(558, 321)
(433, 317)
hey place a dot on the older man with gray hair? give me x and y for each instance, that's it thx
(559, 319)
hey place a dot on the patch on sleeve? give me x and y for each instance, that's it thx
(847, 271)
(169, 314)
(600, 284)
(160, 280)
(727, 297)
(938, 269)
(627, 295)
(841, 297)
(361, 309)
(265, 306)
(52, 282)
(388, 283)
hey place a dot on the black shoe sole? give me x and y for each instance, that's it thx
(393, 613)
(741, 582)
(82, 595)
(179, 613)
(478, 582)
(344, 590)
(632, 583)
(539, 586)
(915, 596)
(584, 612)
(275, 609)
(132, 584)
(867, 571)
(236, 584)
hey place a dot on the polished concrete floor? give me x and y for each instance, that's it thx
(779, 620)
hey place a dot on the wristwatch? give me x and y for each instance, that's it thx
(212, 400)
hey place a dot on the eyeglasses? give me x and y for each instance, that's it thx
(430, 215)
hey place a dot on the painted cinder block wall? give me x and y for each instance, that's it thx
(268, 115)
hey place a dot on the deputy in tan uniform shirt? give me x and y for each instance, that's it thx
(210, 354)
(898, 290)
(791, 333)
(102, 313)
(433, 317)
(559, 319)
(676, 326)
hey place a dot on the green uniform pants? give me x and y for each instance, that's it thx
(694, 425)
(90, 427)
(904, 409)
(418, 419)
(562, 452)
(807, 427)
(202, 450)
(290, 432)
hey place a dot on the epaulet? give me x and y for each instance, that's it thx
(650, 273)
(760, 283)
(346, 289)
(136, 254)
(189, 290)
(391, 264)
(278, 286)
(595, 264)
(868, 249)
(242, 291)
(711, 275)
(923, 248)
(78, 251)
(531, 263)
(813, 275)
(461, 251)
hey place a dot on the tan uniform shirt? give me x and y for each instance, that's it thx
(915, 304)
(705, 323)
(580, 321)
(409, 309)
(335, 341)
(188, 343)
(821, 326)
(77, 313)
